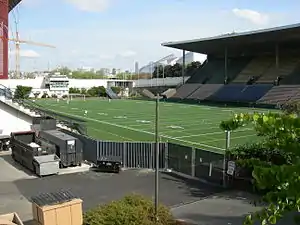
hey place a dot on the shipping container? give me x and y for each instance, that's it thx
(67, 147)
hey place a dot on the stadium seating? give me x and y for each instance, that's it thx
(293, 78)
(203, 74)
(111, 94)
(256, 67)
(240, 93)
(228, 93)
(280, 94)
(286, 66)
(254, 92)
(205, 91)
(185, 90)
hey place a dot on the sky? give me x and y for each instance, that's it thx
(117, 33)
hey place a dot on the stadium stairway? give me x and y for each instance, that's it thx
(256, 67)
(280, 94)
(185, 90)
(204, 91)
(111, 94)
(286, 66)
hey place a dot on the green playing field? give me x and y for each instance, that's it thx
(134, 120)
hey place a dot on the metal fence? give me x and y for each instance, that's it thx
(134, 154)
(191, 161)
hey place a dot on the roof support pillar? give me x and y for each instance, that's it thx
(183, 66)
(226, 65)
(277, 56)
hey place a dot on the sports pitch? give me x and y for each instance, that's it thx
(134, 121)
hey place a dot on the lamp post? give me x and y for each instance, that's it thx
(156, 155)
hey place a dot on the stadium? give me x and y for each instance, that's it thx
(252, 71)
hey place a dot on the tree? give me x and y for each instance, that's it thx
(116, 89)
(74, 90)
(22, 92)
(280, 181)
(96, 91)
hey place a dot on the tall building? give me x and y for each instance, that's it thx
(136, 68)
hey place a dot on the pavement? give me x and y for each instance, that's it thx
(188, 199)
(17, 186)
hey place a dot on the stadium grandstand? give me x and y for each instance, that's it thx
(258, 67)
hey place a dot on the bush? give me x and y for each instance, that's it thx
(131, 210)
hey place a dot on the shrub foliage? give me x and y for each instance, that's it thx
(131, 210)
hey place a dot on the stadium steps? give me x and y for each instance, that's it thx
(185, 90)
(169, 93)
(204, 91)
(146, 93)
(111, 94)
(280, 94)
(256, 67)
(286, 66)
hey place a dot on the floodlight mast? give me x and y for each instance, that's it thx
(156, 156)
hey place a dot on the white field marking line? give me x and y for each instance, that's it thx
(218, 132)
(187, 130)
(116, 135)
(231, 138)
(142, 131)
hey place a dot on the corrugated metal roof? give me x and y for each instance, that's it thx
(233, 35)
(53, 198)
(244, 43)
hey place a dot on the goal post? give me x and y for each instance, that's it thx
(79, 96)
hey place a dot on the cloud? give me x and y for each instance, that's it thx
(127, 53)
(251, 15)
(26, 53)
(90, 5)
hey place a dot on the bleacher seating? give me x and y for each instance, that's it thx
(205, 91)
(235, 66)
(111, 94)
(292, 78)
(228, 93)
(256, 67)
(205, 72)
(280, 94)
(254, 92)
(286, 66)
(185, 90)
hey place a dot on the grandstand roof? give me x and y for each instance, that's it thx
(13, 4)
(244, 42)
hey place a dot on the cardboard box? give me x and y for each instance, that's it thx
(68, 213)
(10, 219)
